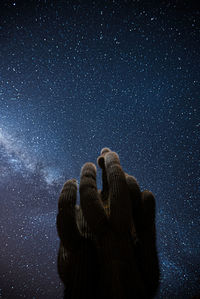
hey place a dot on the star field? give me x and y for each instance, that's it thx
(76, 76)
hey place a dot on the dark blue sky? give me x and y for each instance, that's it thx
(76, 76)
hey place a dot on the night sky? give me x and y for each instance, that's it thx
(76, 76)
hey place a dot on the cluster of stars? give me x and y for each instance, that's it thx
(76, 77)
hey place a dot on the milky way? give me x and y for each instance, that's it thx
(76, 76)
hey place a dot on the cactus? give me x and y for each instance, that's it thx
(108, 244)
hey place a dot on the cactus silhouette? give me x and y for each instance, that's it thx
(108, 244)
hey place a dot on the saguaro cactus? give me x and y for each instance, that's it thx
(108, 244)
